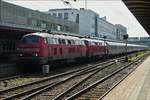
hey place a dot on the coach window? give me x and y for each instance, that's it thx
(59, 41)
(78, 42)
(69, 42)
(82, 42)
(66, 41)
(72, 42)
(96, 43)
(63, 41)
(75, 42)
(56, 40)
(53, 41)
(86, 42)
(91, 43)
(49, 40)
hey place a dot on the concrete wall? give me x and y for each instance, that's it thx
(20, 17)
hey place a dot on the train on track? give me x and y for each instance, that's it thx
(43, 48)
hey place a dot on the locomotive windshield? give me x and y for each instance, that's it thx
(31, 39)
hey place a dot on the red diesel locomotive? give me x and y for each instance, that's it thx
(44, 48)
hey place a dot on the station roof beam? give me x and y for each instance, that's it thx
(141, 10)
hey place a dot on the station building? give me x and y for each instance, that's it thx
(89, 22)
(106, 28)
(86, 19)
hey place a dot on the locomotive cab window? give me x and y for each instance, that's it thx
(31, 39)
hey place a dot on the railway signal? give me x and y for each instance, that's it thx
(125, 37)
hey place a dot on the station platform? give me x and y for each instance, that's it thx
(135, 87)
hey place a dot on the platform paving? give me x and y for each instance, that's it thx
(135, 87)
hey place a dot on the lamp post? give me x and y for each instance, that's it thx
(125, 37)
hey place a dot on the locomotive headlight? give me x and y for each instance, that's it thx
(20, 54)
(36, 54)
(17, 49)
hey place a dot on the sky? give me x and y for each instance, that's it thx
(115, 11)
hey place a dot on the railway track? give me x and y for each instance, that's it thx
(8, 78)
(26, 78)
(98, 89)
(13, 92)
(29, 90)
(22, 79)
(61, 90)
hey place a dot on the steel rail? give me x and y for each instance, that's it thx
(100, 81)
(11, 77)
(95, 69)
(88, 69)
(120, 80)
(78, 74)
(58, 75)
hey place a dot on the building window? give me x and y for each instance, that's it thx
(59, 28)
(34, 22)
(93, 26)
(54, 14)
(60, 15)
(43, 25)
(77, 18)
(65, 15)
(54, 27)
(50, 14)
(66, 28)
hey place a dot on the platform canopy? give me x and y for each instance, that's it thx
(141, 10)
